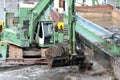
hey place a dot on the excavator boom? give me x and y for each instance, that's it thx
(36, 14)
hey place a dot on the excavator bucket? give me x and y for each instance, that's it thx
(58, 56)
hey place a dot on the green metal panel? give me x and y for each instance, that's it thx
(3, 51)
(88, 34)
(47, 45)
(112, 48)
(89, 38)
(23, 14)
(119, 3)
(15, 37)
(71, 23)
(60, 37)
(94, 2)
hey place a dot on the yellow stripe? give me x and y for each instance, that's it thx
(3, 43)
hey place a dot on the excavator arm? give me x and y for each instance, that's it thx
(35, 15)
(65, 56)
(72, 23)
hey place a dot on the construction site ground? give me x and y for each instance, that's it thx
(43, 72)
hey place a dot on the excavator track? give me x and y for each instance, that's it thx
(54, 57)
(16, 56)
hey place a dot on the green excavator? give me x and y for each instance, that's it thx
(32, 40)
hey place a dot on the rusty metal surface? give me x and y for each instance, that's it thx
(36, 61)
(31, 52)
(94, 8)
(26, 61)
(54, 52)
(16, 56)
(15, 52)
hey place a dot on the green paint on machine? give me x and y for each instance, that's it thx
(3, 52)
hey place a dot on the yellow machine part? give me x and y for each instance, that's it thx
(60, 26)
(3, 43)
(1, 26)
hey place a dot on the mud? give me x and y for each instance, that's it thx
(43, 72)
(40, 72)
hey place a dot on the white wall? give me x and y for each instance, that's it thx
(1, 10)
(12, 6)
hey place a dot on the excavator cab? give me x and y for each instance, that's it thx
(45, 32)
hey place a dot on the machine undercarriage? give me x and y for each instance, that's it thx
(53, 57)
